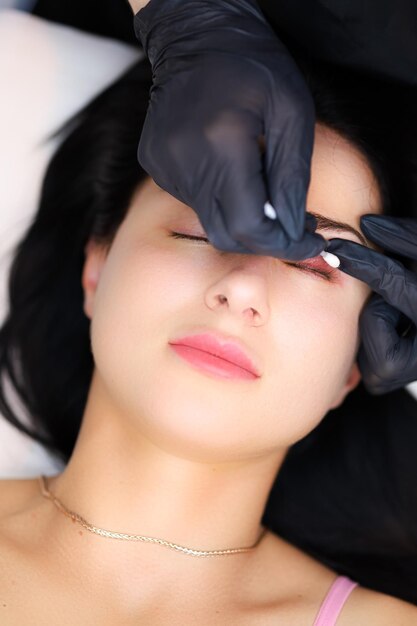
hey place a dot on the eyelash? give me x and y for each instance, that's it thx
(326, 275)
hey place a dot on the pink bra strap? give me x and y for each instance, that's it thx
(334, 601)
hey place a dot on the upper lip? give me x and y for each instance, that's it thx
(225, 347)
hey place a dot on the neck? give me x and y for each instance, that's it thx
(119, 480)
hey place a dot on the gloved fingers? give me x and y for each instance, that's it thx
(218, 235)
(395, 234)
(387, 359)
(215, 227)
(376, 385)
(243, 227)
(257, 233)
(243, 193)
(310, 223)
(387, 277)
(156, 158)
(289, 138)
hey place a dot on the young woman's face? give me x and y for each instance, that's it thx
(299, 323)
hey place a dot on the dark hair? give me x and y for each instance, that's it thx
(345, 493)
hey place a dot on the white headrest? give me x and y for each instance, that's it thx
(48, 72)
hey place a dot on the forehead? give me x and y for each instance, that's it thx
(342, 184)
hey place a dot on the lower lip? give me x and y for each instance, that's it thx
(212, 364)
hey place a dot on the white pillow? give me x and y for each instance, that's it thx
(48, 72)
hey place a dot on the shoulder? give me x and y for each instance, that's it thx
(376, 609)
(295, 574)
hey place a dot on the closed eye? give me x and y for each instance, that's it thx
(324, 274)
(193, 237)
(327, 275)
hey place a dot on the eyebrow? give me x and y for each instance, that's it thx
(326, 223)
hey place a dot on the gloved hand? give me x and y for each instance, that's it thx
(387, 357)
(221, 80)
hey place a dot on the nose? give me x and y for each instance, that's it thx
(243, 292)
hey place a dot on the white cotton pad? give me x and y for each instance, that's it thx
(270, 211)
(331, 259)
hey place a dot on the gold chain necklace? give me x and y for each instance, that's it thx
(107, 533)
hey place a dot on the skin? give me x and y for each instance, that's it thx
(170, 452)
(138, 4)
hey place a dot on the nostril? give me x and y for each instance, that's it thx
(251, 312)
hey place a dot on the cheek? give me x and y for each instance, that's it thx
(316, 339)
(144, 285)
(327, 327)
(317, 314)
(144, 294)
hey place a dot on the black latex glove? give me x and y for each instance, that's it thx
(387, 357)
(221, 80)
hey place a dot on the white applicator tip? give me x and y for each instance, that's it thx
(331, 259)
(270, 211)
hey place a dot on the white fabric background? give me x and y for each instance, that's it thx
(47, 73)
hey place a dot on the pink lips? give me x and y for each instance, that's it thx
(223, 357)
